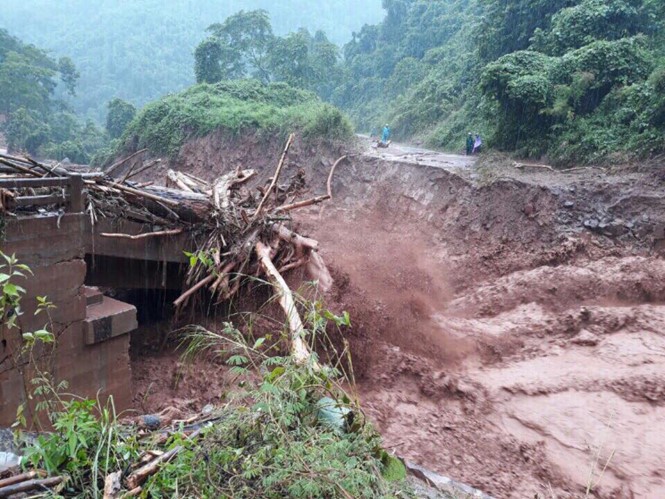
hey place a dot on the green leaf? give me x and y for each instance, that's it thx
(237, 360)
(10, 289)
(275, 373)
(258, 343)
(44, 336)
(23, 266)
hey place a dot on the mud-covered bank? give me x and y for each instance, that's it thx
(510, 328)
(507, 324)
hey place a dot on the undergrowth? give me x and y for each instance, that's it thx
(235, 106)
(287, 429)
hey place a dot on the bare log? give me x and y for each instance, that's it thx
(330, 175)
(173, 232)
(301, 204)
(28, 485)
(20, 168)
(21, 478)
(222, 186)
(143, 168)
(299, 349)
(275, 177)
(114, 166)
(183, 297)
(141, 475)
(144, 194)
(293, 238)
(143, 184)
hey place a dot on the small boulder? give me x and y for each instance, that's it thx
(585, 338)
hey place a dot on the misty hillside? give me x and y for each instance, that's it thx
(141, 50)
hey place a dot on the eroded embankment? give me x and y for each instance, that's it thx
(509, 335)
(507, 327)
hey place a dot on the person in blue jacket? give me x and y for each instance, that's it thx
(386, 134)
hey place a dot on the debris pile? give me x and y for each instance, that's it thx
(240, 232)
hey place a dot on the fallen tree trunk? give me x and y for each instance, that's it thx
(141, 475)
(30, 485)
(299, 349)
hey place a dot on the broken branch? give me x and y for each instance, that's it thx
(275, 177)
(141, 475)
(330, 175)
(181, 299)
(145, 235)
(299, 349)
(302, 204)
(114, 166)
(29, 485)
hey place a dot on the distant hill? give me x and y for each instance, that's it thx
(139, 50)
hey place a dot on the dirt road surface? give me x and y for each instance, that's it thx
(508, 325)
(416, 155)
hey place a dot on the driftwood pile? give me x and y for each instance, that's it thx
(240, 232)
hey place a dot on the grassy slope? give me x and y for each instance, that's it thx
(237, 106)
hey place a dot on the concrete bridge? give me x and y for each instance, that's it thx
(69, 257)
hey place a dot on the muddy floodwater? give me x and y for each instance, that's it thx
(508, 325)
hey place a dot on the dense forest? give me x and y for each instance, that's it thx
(576, 80)
(140, 50)
(33, 118)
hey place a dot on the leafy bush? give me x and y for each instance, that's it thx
(236, 106)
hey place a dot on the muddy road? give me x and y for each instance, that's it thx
(508, 325)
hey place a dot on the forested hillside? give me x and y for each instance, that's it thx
(33, 119)
(140, 50)
(577, 80)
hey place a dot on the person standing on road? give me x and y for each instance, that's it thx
(469, 144)
(477, 144)
(386, 134)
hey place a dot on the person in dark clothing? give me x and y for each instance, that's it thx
(469, 144)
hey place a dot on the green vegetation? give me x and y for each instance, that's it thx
(286, 430)
(577, 81)
(141, 50)
(244, 45)
(36, 121)
(235, 106)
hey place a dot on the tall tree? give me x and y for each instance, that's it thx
(120, 114)
(248, 34)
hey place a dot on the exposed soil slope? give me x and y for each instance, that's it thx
(516, 323)
(508, 325)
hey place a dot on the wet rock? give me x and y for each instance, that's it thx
(585, 338)
(151, 421)
(569, 204)
(591, 223)
(529, 209)
(8, 460)
(659, 231)
(615, 228)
